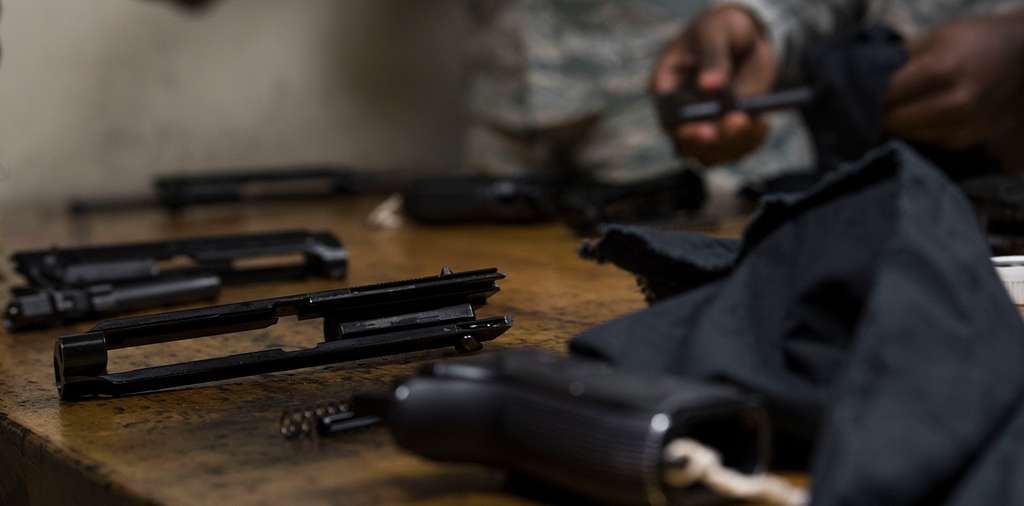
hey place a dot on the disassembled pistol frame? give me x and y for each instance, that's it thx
(359, 323)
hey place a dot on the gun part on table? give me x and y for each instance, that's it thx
(359, 323)
(434, 200)
(256, 185)
(67, 285)
(259, 184)
(577, 424)
(582, 204)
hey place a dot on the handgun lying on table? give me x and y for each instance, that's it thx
(573, 423)
(74, 284)
(359, 323)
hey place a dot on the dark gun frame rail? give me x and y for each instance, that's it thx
(359, 323)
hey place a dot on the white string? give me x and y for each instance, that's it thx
(695, 463)
(387, 214)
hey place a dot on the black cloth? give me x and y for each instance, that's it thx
(850, 75)
(866, 314)
(660, 272)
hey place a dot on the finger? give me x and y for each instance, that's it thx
(759, 131)
(697, 140)
(720, 154)
(921, 75)
(736, 124)
(709, 144)
(702, 133)
(930, 112)
(958, 136)
(714, 56)
(706, 155)
(703, 154)
(741, 134)
(756, 74)
(669, 72)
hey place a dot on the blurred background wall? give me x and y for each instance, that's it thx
(96, 96)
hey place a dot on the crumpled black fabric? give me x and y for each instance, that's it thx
(866, 314)
(663, 273)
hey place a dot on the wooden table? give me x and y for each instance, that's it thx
(218, 443)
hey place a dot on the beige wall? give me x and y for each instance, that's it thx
(98, 95)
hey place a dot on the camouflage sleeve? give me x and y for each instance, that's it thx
(793, 25)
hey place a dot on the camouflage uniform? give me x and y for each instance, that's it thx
(795, 24)
(562, 85)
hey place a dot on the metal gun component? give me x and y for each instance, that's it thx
(677, 109)
(577, 424)
(359, 323)
(438, 200)
(294, 183)
(262, 184)
(43, 307)
(323, 420)
(322, 252)
(665, 198)
(583, 205)
(445, 200)
(75, 284)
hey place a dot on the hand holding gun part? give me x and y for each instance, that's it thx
(359, 323)
(577, 424)
(74, 284)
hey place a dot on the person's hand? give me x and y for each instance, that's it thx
(963, 85)
(723, 48)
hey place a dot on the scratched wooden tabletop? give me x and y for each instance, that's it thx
(218, 443)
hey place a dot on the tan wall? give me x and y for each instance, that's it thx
(98, 95)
